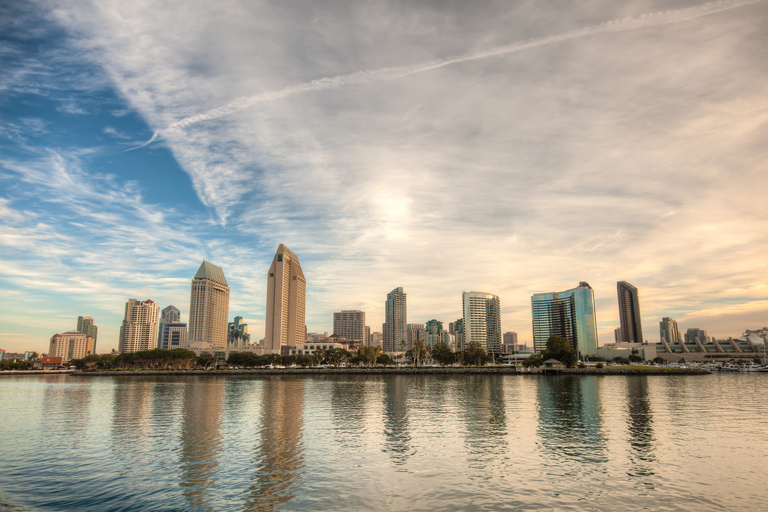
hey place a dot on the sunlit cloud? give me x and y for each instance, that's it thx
(509, 148)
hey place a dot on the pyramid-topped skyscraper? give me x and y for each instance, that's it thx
(209, 306)
(286, 302)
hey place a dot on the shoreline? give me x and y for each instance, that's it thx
(397, 371)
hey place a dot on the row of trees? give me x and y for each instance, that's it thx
(419, 354)
(156, 358)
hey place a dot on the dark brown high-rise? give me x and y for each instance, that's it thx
(629, 313)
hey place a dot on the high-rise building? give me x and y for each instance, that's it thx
(395, 320)
(629, 313)
(482, 320)
(170, 315)
(510, 342)
(350, 324)
(451, 327)
(209, 306)
(367, 336)
(140, 325)
(86, 326)
(171, 332)
(458, 332)
(693, 333)
(286, 302)
(70, 345)
(414, 332)
(668, 330)
(569, 314)
(237, 334)
(376, 340)
(434, 332)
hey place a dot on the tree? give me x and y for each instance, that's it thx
(635, 358)
(559, 348)
(475, 354)
(418, 352)
(336, 356)
(442, 355)
(532, 362)
(368, 355)
(384, 360)
(205, 359)
(659, 360)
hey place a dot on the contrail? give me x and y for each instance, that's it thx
(393, 73)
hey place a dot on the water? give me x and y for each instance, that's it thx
(402, 442)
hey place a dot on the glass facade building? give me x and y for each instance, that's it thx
(569, 314)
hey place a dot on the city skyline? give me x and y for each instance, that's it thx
(538, 145)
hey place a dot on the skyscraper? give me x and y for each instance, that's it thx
(209, 306)
(171, 332)
(139, 329)
(668, 330)
(458, 332)
(482, 320)
(629, 313)
(395, 320)
(286, 302)
(86, 326)
(413, 333)
(434, 332)
(350, 324)
(569, 314)
(237, 334)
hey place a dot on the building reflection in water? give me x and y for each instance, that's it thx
(570, 418)
(484, 412)
(131, 423)
(69, 403)
(397, 436)
(279, 456)
(640, 427)
(348, 407)
(201, 439)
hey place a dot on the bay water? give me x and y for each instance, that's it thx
(384, 442)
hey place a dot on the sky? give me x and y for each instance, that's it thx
(511, 147)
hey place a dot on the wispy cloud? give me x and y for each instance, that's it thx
(503, 159)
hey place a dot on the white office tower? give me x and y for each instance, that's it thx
(209, 307)
(139, 329)
(482, 320)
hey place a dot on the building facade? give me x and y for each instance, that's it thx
(140, 325)
(70, 345)
(209, 307)
(171, 332)
(85, 324)
(482, 320)
(458, 333)
(395, 320)
(237, 334)
(692, 334)
(434, 332)
(629, 313)
(510, 342)
(286, 302)
(350, 324)
(413, 333)
(668, 330)
(569, 314)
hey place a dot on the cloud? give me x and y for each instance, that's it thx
(628, 150)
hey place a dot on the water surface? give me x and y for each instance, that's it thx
(394, 442)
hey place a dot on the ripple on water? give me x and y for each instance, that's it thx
(383, 443)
